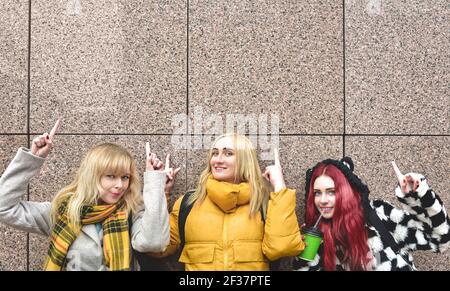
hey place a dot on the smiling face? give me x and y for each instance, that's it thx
(324, 196)
(113, 186)
(223, 160)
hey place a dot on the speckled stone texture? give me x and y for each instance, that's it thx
(64, 160)
(397, 67)
(108, 66)
(268, 57)
(13, 65)
(368, 79)
(13, 243)
(426, 155)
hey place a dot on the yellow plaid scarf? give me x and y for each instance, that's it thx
(116, 240)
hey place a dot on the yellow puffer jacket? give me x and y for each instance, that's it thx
(220, 235)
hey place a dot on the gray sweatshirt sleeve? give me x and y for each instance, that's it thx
(23, 215)
(151, 230)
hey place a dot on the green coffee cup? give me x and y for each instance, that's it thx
(313, 238)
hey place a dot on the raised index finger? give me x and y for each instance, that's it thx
(54, 129)
(276, 157)
(397, 170)
(147, 150)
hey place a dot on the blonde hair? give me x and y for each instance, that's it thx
(84, 189)
(246, 170)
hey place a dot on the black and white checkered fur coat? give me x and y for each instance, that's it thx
(422, 224)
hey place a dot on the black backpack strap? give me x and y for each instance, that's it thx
(182, 216)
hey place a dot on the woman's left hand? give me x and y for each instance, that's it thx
(407, 182)
(171, 174)
(274, 173)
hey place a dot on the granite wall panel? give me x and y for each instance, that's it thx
(364, 78)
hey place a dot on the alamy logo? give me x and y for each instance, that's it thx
(73, 7)
(200, 131)
(373, 8)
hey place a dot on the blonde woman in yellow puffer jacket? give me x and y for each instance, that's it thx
(225, 229)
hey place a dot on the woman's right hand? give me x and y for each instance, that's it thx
(41, 145)
(303, 236)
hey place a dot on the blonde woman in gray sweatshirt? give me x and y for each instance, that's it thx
(88, 221)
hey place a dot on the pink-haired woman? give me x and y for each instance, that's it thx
(363, 234)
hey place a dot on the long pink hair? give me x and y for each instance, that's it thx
(347, 226)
